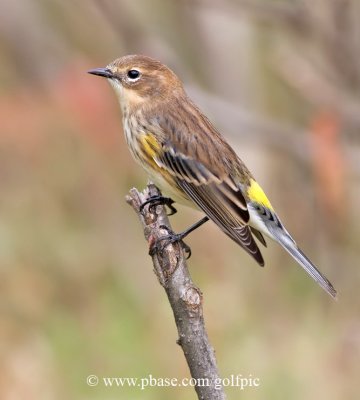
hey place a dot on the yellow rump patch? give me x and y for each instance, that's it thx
(257, 195)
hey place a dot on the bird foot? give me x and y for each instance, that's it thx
(159, 200)
(169, 239)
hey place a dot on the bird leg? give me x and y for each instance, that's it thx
(176, 237)
(159, 200)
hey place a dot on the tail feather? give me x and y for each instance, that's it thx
(290, 246)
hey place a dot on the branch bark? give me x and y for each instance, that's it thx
(184, 297)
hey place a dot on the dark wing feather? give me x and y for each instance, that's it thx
(219, 197)
(259, 236)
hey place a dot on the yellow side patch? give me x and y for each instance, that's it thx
(151, 148)
(150, 145)
(256, 194)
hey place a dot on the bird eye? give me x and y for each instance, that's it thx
(133, 74)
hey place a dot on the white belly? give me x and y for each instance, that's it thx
(168, 191)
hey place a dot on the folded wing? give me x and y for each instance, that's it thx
(215, 194)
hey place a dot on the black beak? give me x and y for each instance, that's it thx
(104, 72)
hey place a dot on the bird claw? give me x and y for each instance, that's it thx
(159, 200)
(169, 239)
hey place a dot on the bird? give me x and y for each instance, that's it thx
(191, 162)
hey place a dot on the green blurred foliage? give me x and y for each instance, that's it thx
(281, 80)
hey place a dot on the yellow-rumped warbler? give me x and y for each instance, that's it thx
(189, 159)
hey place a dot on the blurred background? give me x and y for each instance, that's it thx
(281, 81)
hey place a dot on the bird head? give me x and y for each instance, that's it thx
(137, 79)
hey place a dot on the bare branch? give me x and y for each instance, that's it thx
(184, 297)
